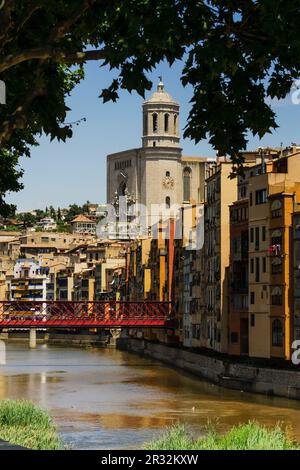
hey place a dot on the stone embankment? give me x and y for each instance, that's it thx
(226, 373)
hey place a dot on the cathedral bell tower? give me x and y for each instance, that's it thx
(161, 120)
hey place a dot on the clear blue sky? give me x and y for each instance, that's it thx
(60, 174)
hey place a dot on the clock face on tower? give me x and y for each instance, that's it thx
(168, 182)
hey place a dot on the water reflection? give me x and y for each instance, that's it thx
(105, 399)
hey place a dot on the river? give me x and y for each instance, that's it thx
(107, 399)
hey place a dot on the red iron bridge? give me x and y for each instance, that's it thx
(102, 314)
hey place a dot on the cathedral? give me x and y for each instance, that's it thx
(157, 172)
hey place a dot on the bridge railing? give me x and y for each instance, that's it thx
(85, 313)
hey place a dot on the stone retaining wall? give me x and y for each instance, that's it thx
(277, 382)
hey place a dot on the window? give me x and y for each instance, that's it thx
(234, 337)
(252, 235)
(154, 122)
(260, 196)
(276, 295)
(263, 236)
(252, 298)
(252, 320)
(257, 238)
(243, 192)
(168, 202)
(257, 271)
(122, 189)
(187, 184)
(236, 245)
(251, 199)
(145, 124)
(276, 239)
(264, 266)
(277, 333)
(276, 209)
(168, 174)
(252, 266)
(166, 123)
(175, 123)
(154, 144)
(277, 266)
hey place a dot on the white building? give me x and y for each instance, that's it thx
(29, 281)
(83, 225)
(47, 224)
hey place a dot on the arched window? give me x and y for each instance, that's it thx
(276, 295)
(154, 144)
(277, 333)
(276, 238)
(145, 124)
(168, 173)
(166, 123)
(175, 123)
(168, 202)
(187, 184)
(154, 122)
(122, 189)
(276, 209)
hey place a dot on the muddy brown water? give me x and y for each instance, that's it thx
(108, 399)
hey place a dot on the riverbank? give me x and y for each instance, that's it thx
(28, 426)
(225, 373)
(249, 436)
(24, 424)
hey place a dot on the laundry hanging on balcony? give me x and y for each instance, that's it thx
(275, 250)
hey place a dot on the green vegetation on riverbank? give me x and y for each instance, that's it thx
(27, 425)
(251, 436)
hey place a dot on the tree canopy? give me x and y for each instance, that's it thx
(235, 54)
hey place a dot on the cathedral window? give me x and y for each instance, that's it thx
(122, 189)
(155, 122)
(168, 202)
(166, 123)
(175, 123)
(187, 184)
(145, 124)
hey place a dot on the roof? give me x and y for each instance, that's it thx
(82, 218)
(186, 158)
(7, 239)
(160, 96)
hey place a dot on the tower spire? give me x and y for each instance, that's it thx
(160, 119)
(160, 86)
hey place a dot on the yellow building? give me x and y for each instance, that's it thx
(272, 197)
(221, 193)
(84, 285)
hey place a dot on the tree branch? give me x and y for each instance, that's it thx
(19, 118)
(61, 29)
(45, 53)
(5, 18)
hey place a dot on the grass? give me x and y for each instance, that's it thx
(27, 425)
(251, 436)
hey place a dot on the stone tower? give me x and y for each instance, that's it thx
(161, 120)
